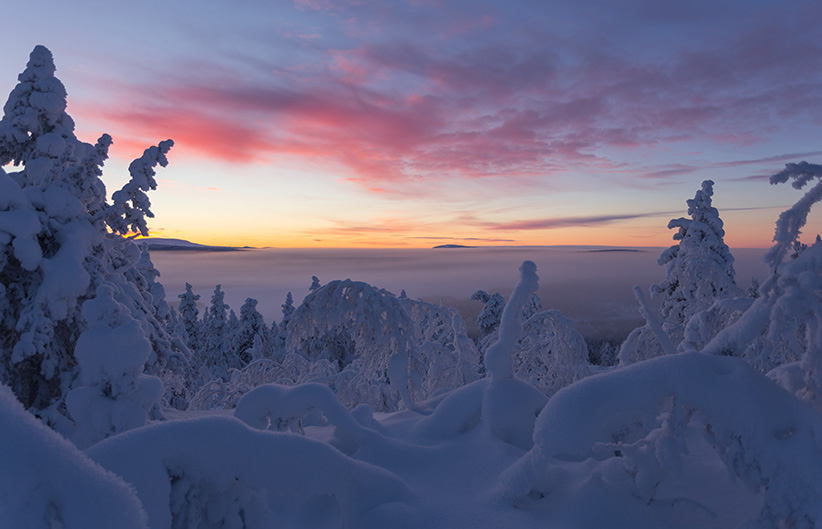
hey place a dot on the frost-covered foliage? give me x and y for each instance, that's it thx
(443, 357)
(291, 370)
(551, 353)
(790, 223)
(699, 271)
(56, 249)
(489, 317)
(384, 350)
(345, 321)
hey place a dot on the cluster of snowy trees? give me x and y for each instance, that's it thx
(721, 388)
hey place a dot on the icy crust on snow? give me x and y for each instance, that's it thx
(46, 482)
(626, 429)
(219, 472)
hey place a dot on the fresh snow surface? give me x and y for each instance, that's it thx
(46, 482)
(681, 441)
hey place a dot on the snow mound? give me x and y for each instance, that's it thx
(219, 472)
(630, 430)
(46, 482)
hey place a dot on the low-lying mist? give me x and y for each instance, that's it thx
(593, 286)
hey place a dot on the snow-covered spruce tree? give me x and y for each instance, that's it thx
(699, 272)
(215, 358)
(783, 326)
(251, 330)
(60, 239)
(189, 316)
(279, 332)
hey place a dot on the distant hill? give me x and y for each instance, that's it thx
(156, 244)
(453, 246)
(615, 250)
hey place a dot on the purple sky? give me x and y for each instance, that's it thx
(414, 123)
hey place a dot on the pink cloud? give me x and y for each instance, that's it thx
(398, 111)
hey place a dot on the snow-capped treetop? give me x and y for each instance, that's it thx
(35, 113)
(288, 309)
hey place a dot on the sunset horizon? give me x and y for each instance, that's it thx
(413, 124)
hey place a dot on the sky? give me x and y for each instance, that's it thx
(414, 123)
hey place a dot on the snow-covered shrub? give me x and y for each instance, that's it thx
(56, 247)
(489, 317)
(344, 321)
(294, 369)
(699, 271)
(443, 356)
(551, 352)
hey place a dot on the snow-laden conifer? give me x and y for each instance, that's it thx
(280, 332)
(215, 342)
(251, 328)
(189, 316)
(699, 271)
(56, 248)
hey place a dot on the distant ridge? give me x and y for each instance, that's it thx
(616, 250)
(176, 245)
(453, 246)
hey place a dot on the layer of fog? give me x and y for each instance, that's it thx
(591, 286)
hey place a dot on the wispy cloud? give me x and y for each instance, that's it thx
(387, 109)
(566, 222)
